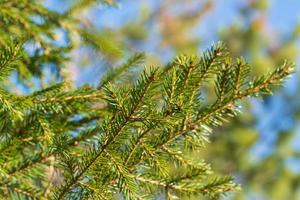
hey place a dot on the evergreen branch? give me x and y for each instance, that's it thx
(114, 73)
(101, 42)
(24, 192)
(205, 190)
(137, 143)
(141, 89)
(27, 164)
(54, 89)
(95, 95)
(189, 73)
(124, 181)
(9, 104)
(140, 139)
(15, 185)
(220, 108)
(200, 166)
(241, 70)
(42, 158)
(275, 78)
(9, 55)
(223, 83)
(264, 84)
(94, 190)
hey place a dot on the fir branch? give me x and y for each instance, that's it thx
(94, 190)
(258, 86)
(115, 73)
(264, 84)
(200, 166)
(124, 181)
(28, 164)
(9, 55)
(206, 189)
(136, 144)
(241, 70)
(216, 112)
(138, 94)
(141, 137)
(92, 96)
(26, 193)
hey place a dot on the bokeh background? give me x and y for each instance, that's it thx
(260, 148)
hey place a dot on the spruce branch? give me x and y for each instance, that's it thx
(136, 139)
(9, 55)
(226, 107)
(116, 126)
(116, 72)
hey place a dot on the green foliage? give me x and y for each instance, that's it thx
(120, 140)
(50, 36)
(136, 149)
(234, 146)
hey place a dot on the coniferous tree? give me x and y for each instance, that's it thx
(117, 140)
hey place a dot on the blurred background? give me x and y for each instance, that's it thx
(260, 148)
